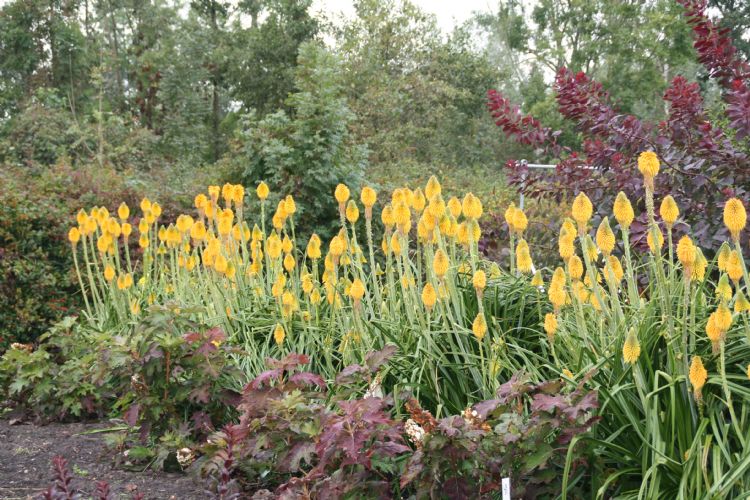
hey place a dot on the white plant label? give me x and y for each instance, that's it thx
(506, 488)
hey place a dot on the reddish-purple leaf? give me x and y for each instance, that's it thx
(131, 414)
(307, 378)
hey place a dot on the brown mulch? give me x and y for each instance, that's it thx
(26, 452)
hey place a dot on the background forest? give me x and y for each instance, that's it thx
(105, 100)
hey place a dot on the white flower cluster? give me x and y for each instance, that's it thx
(185, 457)
(414, 431)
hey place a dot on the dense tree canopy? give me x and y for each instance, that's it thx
(178, 76)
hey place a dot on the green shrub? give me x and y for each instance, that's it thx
(307, 152)
(58, 380)
(38, 285)
(44, 130)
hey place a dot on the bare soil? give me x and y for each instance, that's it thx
(26, 452)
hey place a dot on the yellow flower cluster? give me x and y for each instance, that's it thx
(235, 263)
(216, 256)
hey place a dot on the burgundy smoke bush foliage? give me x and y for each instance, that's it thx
(703, 163)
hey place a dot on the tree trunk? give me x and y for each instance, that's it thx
(116, 56)
(54, 63)
(215, 139)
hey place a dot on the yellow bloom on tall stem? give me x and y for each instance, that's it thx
(510, 217)
(686, 254)
(279, 334)
(472, 207)
(718, 323)
(337, 246)
(103, 243)
(313, 247)
(623, 210)
(741, 304)
(734, 267)
(221, 264)
(698, 376)
(520, 222)
(523, 257)
(352, 212)
(145, 205)
(395, 244)
(437, 207)
(605, 238)
(290, 207)
(74, 235)
(289, 262)
(723, 256)
(650, 240)
(575, 268)
(558, 278)
(184, 223)
(723, 318)
(262, 191)
(81, 217)
(537, 280)
(368, 197)
(123, 211)
(386, 217)
(156, 210)
(699, 266)
(582, 210)
(357, 291)
(723, 289)
(616, 267)
(669, 211)
(479, 326)
(109, 272)
(198, 231)
(238, 194)
(418, 200)
(566, 245)
(550, 326)
(401, 214)
(479, 280)
(200, 201)
(454, 207)
(735, 217)
(341, 193)
(440, 264)
(124, 281)
(273, 246)
(227, 191)
(429, 297)
(631, 349)
(556, 296)
(648, 164)
(432, 188)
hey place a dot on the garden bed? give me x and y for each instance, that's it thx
(26, 463)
